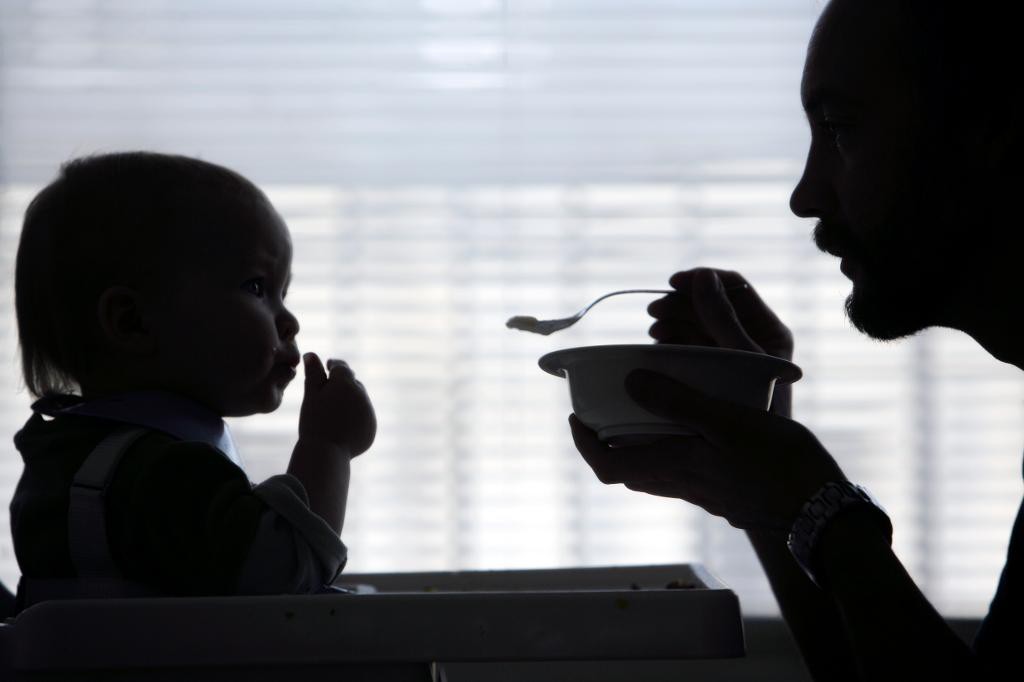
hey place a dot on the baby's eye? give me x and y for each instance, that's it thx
(256, 286)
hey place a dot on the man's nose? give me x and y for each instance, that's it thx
(801, 202)
(813, 196)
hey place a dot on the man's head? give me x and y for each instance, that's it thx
(915, 117)
(125, 279)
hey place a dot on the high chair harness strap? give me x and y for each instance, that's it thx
(87, 519)
(98, 575)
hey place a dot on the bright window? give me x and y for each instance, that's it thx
(446, 164)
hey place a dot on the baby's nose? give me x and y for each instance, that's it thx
(287, 325)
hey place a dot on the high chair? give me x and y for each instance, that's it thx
(394, 627)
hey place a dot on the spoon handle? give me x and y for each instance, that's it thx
(545, 327)
(649, 291)
(625, 291)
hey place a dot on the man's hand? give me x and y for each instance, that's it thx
(719, 308)
(336, 409)
(753, 468)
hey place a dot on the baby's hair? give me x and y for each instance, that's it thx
(100, 224)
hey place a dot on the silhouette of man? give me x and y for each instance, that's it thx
(912, 175)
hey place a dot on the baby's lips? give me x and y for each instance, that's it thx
(289, 357)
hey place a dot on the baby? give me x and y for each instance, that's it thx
(149, 292)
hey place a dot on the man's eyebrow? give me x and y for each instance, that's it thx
(823, 97)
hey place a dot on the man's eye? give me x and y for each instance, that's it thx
(834, 130)
(256, 287)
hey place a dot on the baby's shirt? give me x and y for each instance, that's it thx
(182, 516)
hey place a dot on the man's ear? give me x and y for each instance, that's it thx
(123, 325)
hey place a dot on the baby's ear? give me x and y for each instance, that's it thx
(122, 325)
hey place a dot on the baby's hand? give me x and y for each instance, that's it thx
(335, 408)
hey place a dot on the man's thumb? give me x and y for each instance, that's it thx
(717, 314)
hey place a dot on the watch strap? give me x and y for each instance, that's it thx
(834, 498)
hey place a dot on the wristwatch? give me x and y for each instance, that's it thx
(834, 499)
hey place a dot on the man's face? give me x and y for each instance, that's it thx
(885, 204)
(225, 336)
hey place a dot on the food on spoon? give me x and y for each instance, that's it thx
(525, 323)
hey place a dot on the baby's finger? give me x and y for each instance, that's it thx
(315, 375)
(336, 367)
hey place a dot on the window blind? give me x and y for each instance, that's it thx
(446, 164)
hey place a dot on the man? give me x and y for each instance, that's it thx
(911, 174)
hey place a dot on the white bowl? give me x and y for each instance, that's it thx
(597, 376)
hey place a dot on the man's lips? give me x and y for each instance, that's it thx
(849, 267)
(834, 240)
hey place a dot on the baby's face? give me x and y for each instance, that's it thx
(224, 336)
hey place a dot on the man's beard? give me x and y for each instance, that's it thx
(907, 269)
(887, 308)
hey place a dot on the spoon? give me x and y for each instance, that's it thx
(545, 327)
(532, 324)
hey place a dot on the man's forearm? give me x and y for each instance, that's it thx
(811, 615)
(324, 472)
(892, 628)
(870, 622)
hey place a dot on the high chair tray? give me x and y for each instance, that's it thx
(642, 612)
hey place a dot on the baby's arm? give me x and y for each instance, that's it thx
(336, 423)
(187, 521)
